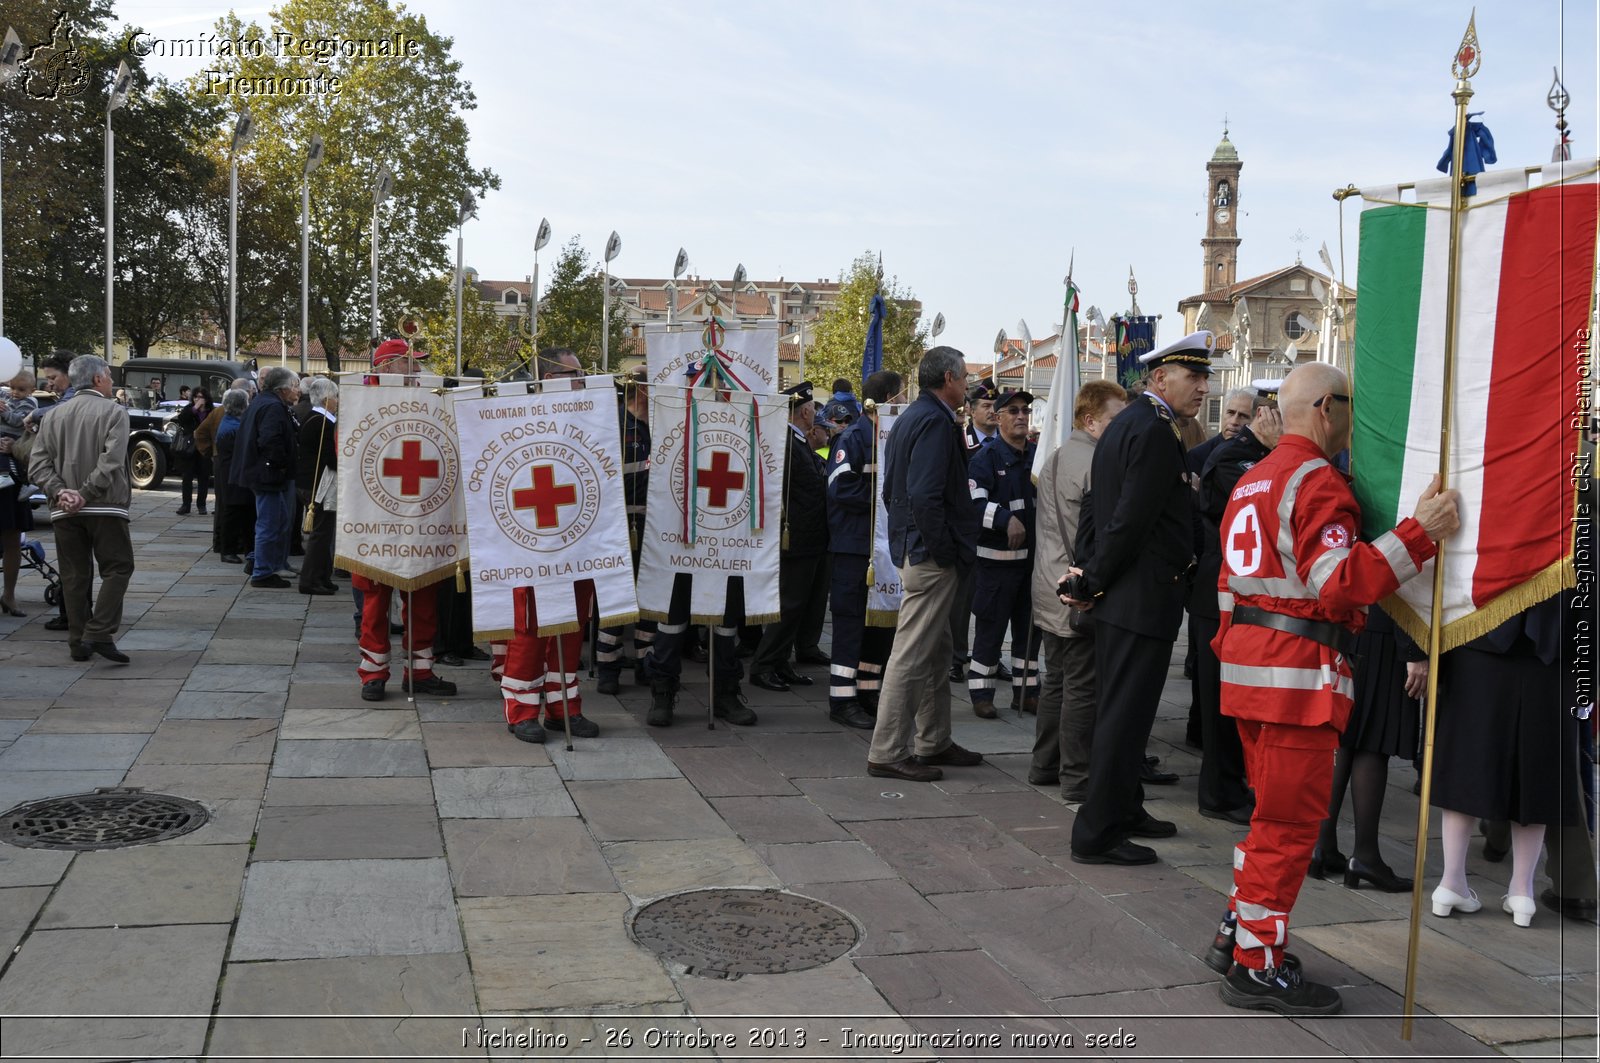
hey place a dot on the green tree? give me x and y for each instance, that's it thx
(405, 112)
(840, 335)
(571, 307)
(490, 341)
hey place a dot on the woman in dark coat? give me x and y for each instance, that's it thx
(194, 465)
(237, 517)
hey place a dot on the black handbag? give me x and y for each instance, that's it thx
(183, 443)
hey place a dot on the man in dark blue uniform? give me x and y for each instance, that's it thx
(859, 652)
(805, 547)
(1001, 481)
(635, 408)
(982, 428)
(1136, 578)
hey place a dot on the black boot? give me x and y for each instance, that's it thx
(727, 703)
(665, 690)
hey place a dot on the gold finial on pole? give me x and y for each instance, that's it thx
(1342, 194)
(1467, 59)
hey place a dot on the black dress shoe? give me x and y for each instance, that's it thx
(958, 673)
(80, 652)
(1239, 815)
(431, 685)
(372, 690)
(850, 714)
(582, 726)
(1040, 778)
(231, 559)
(812, 657)
(1380, 876)
(953, 755)
(1326, 863)
(768, 681)
(1127, 854)
(907, 769)
(270, 582)
(527, 731)
(790, 676)
(1582, 909)
(1151, 827)
(475, 654)
(320, 591)
(109, 651)
(1002, 674)
(56, 623)
(1156, 777)
(451, 659)
(608, 684)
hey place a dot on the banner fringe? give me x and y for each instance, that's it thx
(619, 619)
(376, 575)
(494, 635)
(658, 615)
(550, 631)
(1558, 577)
(883, 618)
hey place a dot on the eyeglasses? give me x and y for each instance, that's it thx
(1018, 411)
(1334, 397)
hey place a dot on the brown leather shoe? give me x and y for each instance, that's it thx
(907, 769)
(953, 755)
(984, 710)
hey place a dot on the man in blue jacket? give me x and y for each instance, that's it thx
(933, 530)
(264, 462)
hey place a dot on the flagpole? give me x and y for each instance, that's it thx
(1465, 65)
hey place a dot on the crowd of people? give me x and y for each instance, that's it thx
(1302, 689)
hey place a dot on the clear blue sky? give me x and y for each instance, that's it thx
(976, 144)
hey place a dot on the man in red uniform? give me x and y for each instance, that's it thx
(1294, 586)
(419, 609)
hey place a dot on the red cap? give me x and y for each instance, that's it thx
(388, 351)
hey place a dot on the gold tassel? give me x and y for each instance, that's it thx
(461, 579)
(784, 545)
(870, 580)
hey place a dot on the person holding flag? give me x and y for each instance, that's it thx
(635, 408)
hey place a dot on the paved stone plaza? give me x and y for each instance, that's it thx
(415, 864)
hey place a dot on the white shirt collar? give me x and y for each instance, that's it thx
(324, 411)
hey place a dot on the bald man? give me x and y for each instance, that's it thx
(1293, 590)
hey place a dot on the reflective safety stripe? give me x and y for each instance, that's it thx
(1003, 555)
(1270, 586)
(375, 658)
(977, 668)
(842, 670)
(672, 629)
(1323, 567)
(1256, 912)
(980, 492)
(1394, 551)
(1225, 601)
(870, 466)
(1287, 678)
(725, 632)
(991, 515)
(1238, 860)
(1018, 504)
(840, 470)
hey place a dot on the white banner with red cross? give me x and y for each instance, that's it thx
(400, 515)
(542, 475)
(748, 351)
(714, 507)
(885, 591)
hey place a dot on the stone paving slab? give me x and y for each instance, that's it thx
(957, 855)
(149, 886)
(211, 742)
(36, 682)
(86, 719)
(1369, 1027)
(211, 705)
(337, 791)
(732, 771)
(23, 708)
(344, 989)
(803, 863)
(71, 753)
(864, 797)
(960, 985)
(348, 723)
(647, 870)
(143, 637)
(238, 678)
(32, 867)
(778, 819)
(1169, 1022)
(609, 758)
(501, 793)
(18, 906)
(895, 918)
(349, 757)
(537, 953)
(337, 832)
(478, 745)
(93, 689)
(306, 909)
(524, 857)
(646, 810)
(821, 756)
(106, 979)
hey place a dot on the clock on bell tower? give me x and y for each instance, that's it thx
(1221, 243)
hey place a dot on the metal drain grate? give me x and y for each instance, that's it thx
(106, 819)
(725, 933)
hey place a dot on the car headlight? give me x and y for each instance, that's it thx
(171, 429)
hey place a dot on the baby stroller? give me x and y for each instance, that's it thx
(34, 560)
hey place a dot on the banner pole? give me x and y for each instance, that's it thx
(711, 672)
(566, 707)
(1465, 65)
(411, 683)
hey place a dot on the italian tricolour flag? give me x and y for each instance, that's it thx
(1524, 304)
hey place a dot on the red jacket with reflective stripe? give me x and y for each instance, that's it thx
(1289, 546)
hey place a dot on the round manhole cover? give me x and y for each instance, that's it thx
(105, 819)
(726, 933)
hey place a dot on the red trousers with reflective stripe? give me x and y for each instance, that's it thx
(533, 673)
(1291, 768)
(419, 610)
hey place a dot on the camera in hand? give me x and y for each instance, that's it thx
(1073, 586)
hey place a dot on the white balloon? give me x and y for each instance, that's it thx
(10, 359)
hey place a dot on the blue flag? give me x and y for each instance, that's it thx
(1135, 336)
(872, 356)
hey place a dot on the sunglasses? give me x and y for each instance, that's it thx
(1334, 397)
(1017, 411)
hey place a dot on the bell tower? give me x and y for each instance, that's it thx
(1221, 243)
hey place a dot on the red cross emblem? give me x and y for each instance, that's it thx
(410, 468)
(718, 480)
(545, 497)
(1244, 542)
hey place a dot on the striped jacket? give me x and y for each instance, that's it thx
(1000, 478)
(1289, 546)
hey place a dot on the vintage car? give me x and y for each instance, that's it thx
(151, 430)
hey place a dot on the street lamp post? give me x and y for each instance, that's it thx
(679, 264)
(381, 187)
(10, 67)
(119, 96)
(540, 238)
(613, 249)
(469, 206)
(241, 136)
(313, 160)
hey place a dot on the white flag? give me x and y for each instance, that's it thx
(885, 591)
